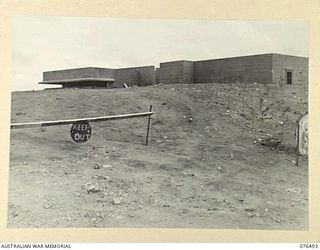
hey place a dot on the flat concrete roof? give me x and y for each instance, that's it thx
(177, 61)
(246, 56)
(231, 57)
(71, 69)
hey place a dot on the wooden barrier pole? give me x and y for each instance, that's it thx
(71, 121)
(147, 137)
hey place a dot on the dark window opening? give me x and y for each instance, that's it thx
(289, 77)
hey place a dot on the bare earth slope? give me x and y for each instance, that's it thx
(206, 172)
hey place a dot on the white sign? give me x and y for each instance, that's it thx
(303, 135)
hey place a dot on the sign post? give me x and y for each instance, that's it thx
(147, 137)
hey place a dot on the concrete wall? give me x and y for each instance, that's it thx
(128, 76)
(266, 68)
(157, 75)
(188, 73)
(147, 75)
(171, 72)
(104, 73)
(237, 69)
(176, 72)
(140, 76)
(89, 72)
(298, 66)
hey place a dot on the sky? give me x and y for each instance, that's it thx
(44, 43)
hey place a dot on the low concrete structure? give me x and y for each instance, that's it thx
(100, 77)
(265, 68)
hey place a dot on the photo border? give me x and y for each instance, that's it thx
(262, 10)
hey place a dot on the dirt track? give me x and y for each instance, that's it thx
(208, 172)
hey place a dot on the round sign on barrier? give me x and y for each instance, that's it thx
(80, 131)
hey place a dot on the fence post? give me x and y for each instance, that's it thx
(147, 138)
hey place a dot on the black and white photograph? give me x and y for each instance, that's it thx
(158, 123)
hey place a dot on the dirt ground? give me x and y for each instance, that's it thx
(204, 166)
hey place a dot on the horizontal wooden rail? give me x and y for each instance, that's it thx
(71, 121)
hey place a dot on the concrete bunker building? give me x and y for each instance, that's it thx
(100, 77)
(264, 68)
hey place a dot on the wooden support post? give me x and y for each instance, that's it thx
(149, 119)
